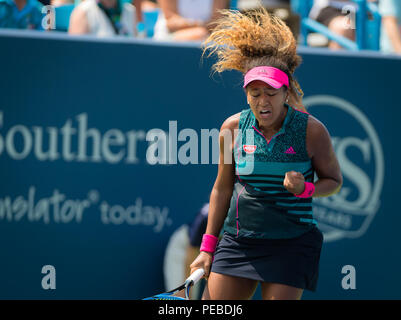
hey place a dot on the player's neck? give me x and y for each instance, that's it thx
(269, 131)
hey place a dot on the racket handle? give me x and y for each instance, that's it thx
(195, 276)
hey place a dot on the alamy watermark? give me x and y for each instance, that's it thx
(348, 282)
(49, 280)
(49, 20)
(76, 141)
(349, 12)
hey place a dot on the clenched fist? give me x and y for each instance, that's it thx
(294, 182)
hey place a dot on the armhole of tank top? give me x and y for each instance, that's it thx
(306, 138)
(237, 144)
(241, 120)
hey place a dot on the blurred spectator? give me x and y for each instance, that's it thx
(187, 20)
(390, 11)
(144, 5)
(330, 13)
(58, 3)
(280, 8)
(21, 14)
(146, 18)
(196, 230)
(104, 18)
(182, 248)
(138, 9)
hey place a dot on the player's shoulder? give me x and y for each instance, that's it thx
(315, 124)
(316, 130)
(231, 122)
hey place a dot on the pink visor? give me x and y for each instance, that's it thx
(270, 75)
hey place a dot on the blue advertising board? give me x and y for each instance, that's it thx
(107, 147)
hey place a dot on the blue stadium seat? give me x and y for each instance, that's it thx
(63, 14)
(149, 20)
(367, 28)
(373, 28)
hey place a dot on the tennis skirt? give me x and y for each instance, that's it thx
(294, 262)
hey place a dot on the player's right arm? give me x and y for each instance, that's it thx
(222, 190)
(223, 187)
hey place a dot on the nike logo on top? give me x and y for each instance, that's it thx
(290, 150)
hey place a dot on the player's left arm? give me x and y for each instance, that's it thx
(324, 161)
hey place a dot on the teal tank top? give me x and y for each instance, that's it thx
(260, 206)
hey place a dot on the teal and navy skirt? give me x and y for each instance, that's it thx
(293, 262)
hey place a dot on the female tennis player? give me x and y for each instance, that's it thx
(270, 235)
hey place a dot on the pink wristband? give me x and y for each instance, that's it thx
(308, 191)
(209, 243)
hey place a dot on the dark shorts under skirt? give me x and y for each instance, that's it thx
(294, 262)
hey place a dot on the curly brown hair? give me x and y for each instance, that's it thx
(243, 41)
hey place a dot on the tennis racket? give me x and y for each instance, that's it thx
(173, 294)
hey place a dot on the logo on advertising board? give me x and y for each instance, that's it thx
(350, 212)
